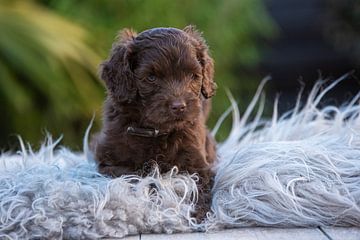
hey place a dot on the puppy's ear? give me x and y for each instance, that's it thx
(116, 70)
(208, 87)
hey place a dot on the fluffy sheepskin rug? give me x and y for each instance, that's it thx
(298, 169)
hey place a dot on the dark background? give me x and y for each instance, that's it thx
(317, 39)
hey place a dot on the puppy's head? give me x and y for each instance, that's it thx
(167, 72)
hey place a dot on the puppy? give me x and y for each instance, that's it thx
(159, 84)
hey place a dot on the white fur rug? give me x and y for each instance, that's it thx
(299, 169)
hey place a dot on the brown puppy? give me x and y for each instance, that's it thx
(158, 84)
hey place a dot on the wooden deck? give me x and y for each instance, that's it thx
(261, 234)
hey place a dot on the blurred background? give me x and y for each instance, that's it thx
(50, 51)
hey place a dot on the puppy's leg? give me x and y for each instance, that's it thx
(192, 160)
(204, 187)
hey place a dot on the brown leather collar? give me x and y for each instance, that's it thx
(145, 132)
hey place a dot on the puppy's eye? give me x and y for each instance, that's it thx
(151, 78)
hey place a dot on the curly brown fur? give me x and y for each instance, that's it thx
(160, 79)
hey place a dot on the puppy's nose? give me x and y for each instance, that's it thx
(178, 106)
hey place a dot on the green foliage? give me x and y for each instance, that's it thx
(48, 55)
(47, 73)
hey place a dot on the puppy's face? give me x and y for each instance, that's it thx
(168, 78)
(167, 72)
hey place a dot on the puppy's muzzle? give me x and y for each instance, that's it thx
(178, 107)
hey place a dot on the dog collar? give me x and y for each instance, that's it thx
(145, 132)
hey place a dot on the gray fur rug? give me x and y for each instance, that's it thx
(298, 169)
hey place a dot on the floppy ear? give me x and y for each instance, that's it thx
(208, 87)
(116, 71)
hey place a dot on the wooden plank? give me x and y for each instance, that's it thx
(133, 237)
(290, 234)
(342, 233)
(177, 236)
(245, 234)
